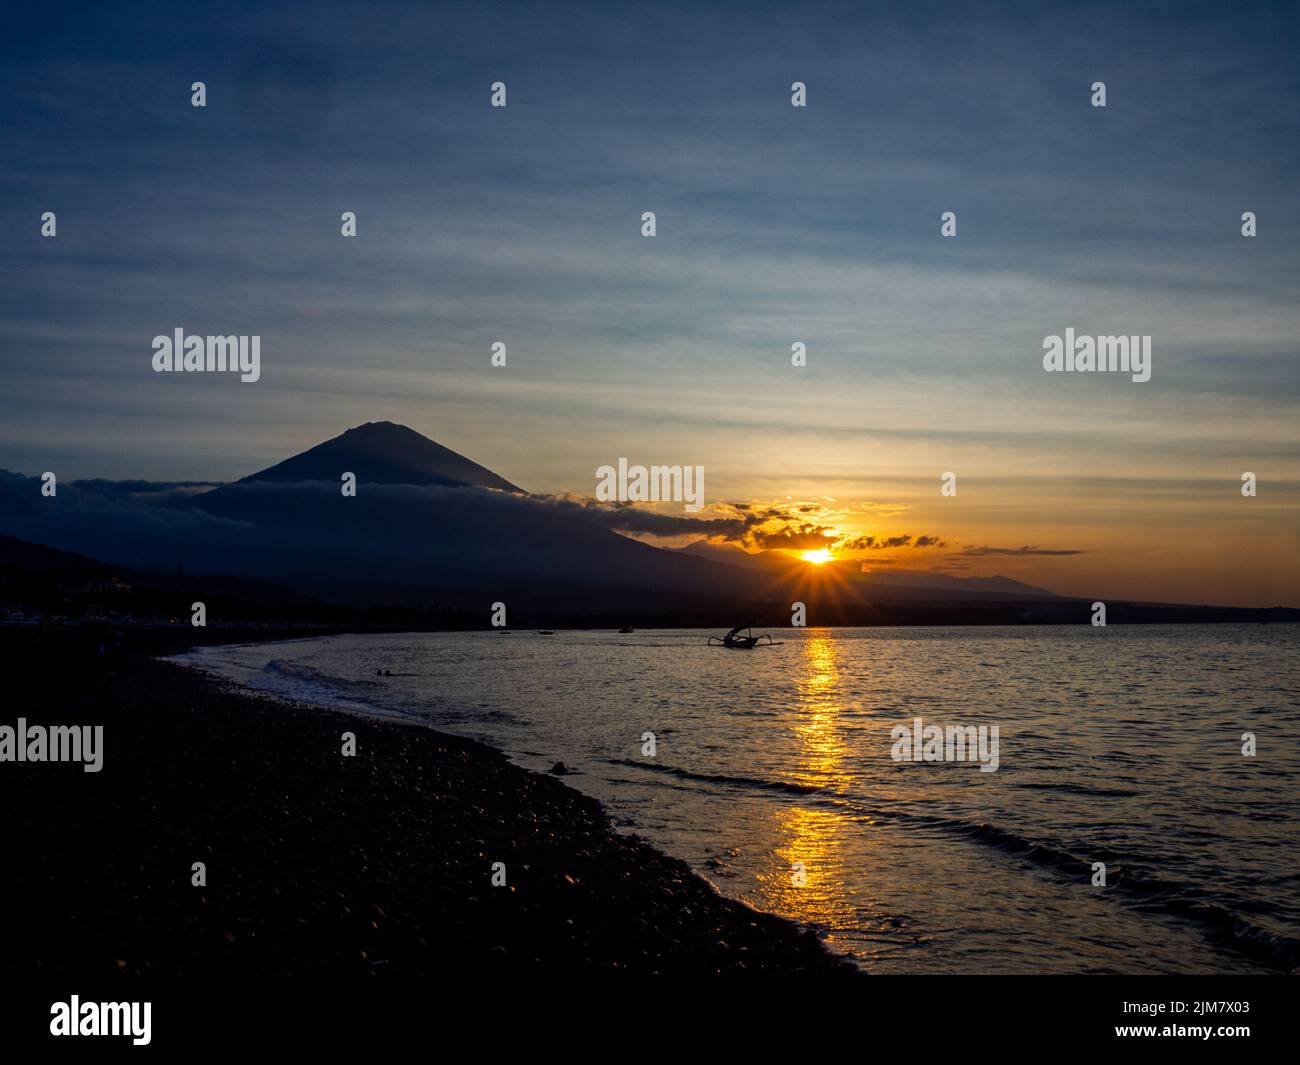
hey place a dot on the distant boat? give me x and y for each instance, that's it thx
(735, 642)
(625, 631)
(545, 632)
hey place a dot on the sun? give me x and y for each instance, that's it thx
(818, 557)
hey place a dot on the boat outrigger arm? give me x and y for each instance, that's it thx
(736, 642)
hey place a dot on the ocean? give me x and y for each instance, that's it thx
(772, 772)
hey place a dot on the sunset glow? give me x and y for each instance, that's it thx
(817, 557)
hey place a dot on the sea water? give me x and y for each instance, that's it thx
(1124, 829)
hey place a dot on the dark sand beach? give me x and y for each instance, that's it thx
(319, 864)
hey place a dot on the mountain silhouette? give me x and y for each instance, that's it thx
(426, 518)
(384, 453)
(727, 554)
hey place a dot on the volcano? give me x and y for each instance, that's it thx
(384, 453)
(426, 522)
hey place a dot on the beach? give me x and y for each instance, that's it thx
(317, 863)
(779, 775)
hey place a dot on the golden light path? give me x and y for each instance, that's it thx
(806, 880)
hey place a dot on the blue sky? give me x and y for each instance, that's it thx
(775, 224)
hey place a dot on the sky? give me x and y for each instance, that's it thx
(775, 224)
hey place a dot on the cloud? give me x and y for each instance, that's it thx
(117, 507)
(630, 518)
(110, 520)
(151, 491)
(767, 527)
(802, 537)
(884, 543)
(1017, 551)
(117, 520)
(537, 233)
(752, 525)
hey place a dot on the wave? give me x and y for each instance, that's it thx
(1079, 789)
(1223, 920)
(789, 787)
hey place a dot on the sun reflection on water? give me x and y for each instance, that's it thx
(804, 878)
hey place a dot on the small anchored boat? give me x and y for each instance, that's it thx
(736, 642)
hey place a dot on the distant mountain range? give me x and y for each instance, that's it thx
(851, 570)
(430, 528)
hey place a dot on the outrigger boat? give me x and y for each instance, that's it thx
(748, 642)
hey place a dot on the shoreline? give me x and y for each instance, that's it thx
(318, 863)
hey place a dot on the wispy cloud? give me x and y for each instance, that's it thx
(982, 552)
